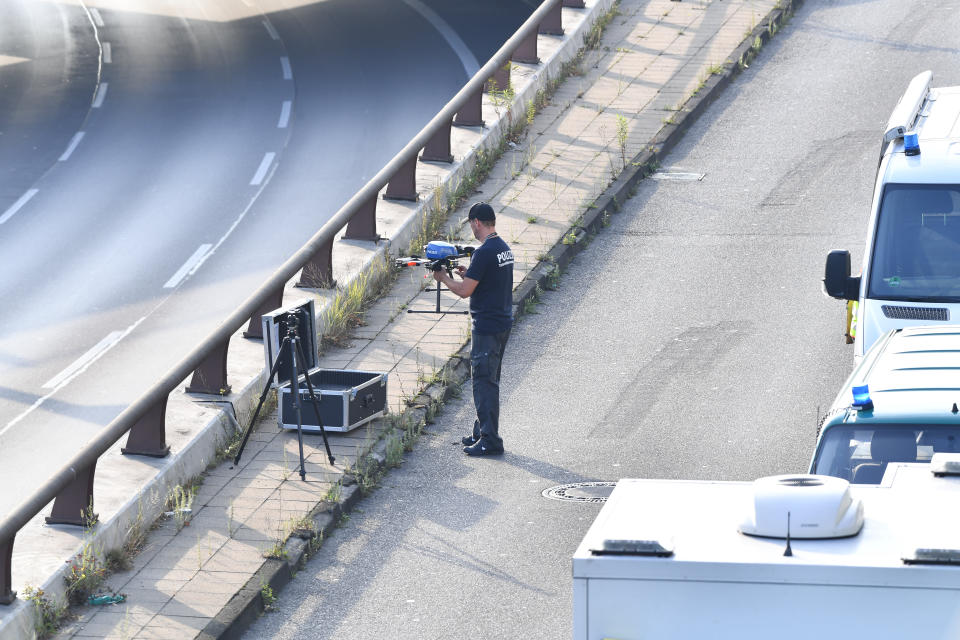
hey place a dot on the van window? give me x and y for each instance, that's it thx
(860, 454)
(916, 254)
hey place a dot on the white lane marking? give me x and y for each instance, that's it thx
(677, 175)
(270, 30)
(77, 137)
(97, 18)
(187, 267)
(111, 343)
(467, 59)
(24, 199)
(92, 354)
(236, 223)
(285, 114)
(101, 94)
(262, 169)
(287, 71)
(107, 53)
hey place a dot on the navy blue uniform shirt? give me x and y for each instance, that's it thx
(491, 303)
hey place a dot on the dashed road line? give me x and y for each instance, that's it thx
(287, 71)
(97, 18)
(263, 168)
(74, 370)
(107, 53)
(271, 30)
(92, 354)
(188, 266)
(16, 206)
(77, 137)
(101, 94)
(285, 114)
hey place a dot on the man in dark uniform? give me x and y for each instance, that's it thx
(489, 285)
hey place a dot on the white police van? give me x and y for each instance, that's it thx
(898, 405)
(911, 265)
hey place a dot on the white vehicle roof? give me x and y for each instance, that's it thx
(913, 374)
(938, 129)
(700, 522)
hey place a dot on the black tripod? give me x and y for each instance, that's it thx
(438, 289)
(292, 341)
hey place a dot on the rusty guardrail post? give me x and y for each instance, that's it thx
(471, 113)
(527, 51)
(403, 183)
(438, 149)
(7, 594)
(148, 437)
(211, 375)
(317, 273)
(500, 80)
(74, 504)
(552, 25)
(274, 300)
(363, 224)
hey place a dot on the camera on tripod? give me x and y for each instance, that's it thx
(438, 256)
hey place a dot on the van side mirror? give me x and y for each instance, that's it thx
(837, 281)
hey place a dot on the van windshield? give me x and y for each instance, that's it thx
(860, 454)
(916, 255)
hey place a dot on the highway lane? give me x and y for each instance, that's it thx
(48, 70)
(218, 135)
(690, 340)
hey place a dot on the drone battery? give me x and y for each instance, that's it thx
(347, 400)
(438, 250)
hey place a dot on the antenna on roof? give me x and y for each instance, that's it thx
(788, 552)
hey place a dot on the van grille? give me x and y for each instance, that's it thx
(941, 314)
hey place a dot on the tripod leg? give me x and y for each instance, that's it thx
(316, 407)
(263, 397)
(295, 388)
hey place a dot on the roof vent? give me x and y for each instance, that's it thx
(630, 547)
(815, 507)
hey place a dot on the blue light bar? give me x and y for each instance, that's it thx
(861, 398)
(911, 144)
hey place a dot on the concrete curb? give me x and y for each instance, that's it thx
(249, 604)
(644, 163)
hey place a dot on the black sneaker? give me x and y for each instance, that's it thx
(470, 440)
(481, 448)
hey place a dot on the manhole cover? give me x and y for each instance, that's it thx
(580, 492)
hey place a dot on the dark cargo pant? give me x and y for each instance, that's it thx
(486, 357)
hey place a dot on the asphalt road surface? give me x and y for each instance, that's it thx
(160, 158)
(690, 340)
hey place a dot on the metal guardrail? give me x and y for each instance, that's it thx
(71, 487)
